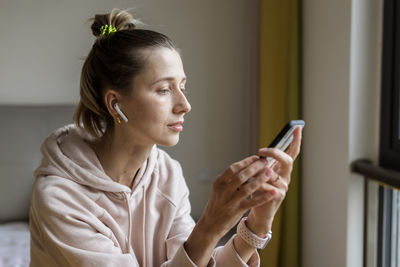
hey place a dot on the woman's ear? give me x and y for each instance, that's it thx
(111, 97)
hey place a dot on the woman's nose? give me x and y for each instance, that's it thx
(181, 105)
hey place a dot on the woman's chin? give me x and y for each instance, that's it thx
(172, 141)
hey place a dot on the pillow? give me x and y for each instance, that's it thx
(14, 244)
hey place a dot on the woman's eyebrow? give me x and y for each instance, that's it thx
(166, 79)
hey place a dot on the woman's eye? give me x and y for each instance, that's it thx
(163, 91)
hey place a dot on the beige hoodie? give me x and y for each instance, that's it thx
(80, 217)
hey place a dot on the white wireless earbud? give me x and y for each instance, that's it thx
(116, 106)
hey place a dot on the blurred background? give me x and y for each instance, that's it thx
(252, 65)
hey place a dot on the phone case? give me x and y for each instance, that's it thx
(285, 137)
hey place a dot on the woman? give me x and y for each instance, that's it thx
(105, 195)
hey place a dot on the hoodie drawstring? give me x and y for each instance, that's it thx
(143, 225)
(143, 229)
(129, 221)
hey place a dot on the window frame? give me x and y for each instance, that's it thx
(389, 147)
(389, 153)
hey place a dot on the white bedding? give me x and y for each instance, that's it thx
(14, 244)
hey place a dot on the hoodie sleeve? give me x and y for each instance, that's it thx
(181, 228)
(63, 234)
(222, 256)
(228, 256)
(180, 231)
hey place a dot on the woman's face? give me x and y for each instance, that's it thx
(157, 104)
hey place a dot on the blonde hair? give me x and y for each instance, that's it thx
(113, 62)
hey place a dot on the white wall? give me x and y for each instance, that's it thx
(341, 78)
(43, 43)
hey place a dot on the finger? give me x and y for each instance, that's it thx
(280, 183)
(278, 172)
(285, 162)
(275, 193)
(250, 187)
(294, 148)
(257, 200)
(235, 168)
(268, 189)
(251, 171)
(275, 166)
(269, 172)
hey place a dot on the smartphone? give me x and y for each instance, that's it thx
(284, 138)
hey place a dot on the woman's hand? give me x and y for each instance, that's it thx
(260, 217)
(230, 195)
(230, 198)
(247, 184)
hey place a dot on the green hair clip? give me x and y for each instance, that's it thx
(107, 29)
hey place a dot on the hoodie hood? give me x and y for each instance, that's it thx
(67, 154)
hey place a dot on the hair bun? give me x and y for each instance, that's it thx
(120, 19)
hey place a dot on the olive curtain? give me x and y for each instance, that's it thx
(279, 102)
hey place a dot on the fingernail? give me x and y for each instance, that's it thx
(264, 149)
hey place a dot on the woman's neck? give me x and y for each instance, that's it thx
(120, 157)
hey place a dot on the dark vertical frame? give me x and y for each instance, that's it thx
(389, 152)
(395, 109)
(365, 232)
(389, 155)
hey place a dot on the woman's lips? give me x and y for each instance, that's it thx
(177, 127)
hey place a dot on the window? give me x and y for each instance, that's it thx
(382, 205)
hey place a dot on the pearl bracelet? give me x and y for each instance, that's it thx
(250, 238)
